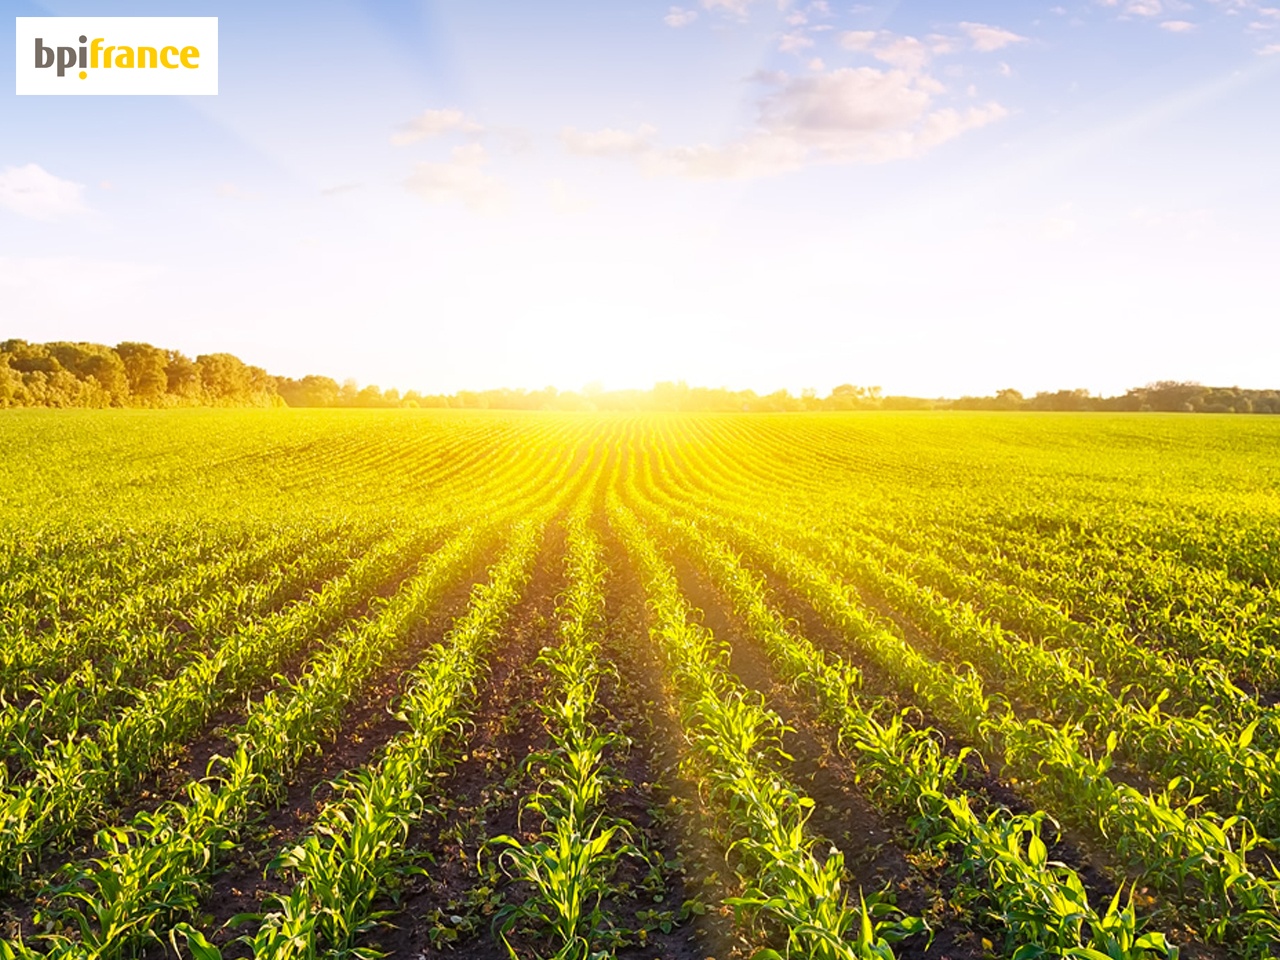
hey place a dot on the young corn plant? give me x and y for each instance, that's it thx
(570, 864)
(736, 743)
(154, 872)
(1042, 906)
(357, 849)
(1234, 900)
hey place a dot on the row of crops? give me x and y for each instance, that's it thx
(340, 684)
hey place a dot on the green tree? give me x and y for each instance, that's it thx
(146, 369)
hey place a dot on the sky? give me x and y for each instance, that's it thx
(934, 198)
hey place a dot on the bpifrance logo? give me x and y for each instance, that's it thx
(117, 55)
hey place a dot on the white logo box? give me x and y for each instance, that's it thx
(178, 56)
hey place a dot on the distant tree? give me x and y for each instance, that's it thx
(1062, 400)
(670, 396)
(1008, 399)
(907, 403)
(310, 391)
(13, 392)
(79, 374)
(145, 367)
(1174, 396)
(29, 357)
(98, 368)
(225, 378)
(183, 377)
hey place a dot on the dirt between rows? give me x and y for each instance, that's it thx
(184, 643)
(842, 815)
(244, 886)
(240, 886)
(169, 782)
(664, 903)
(448, 908)
(198, 754)
(656, 800)
(451, 910)
(1097, 868)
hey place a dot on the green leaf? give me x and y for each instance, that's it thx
(197, 943)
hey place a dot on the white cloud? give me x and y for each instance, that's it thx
(607, 142)
(903, 51)
(32, 191)
(850, 115)
(1144, 8)
(434, 123)
(679, 17)
(760, 155)
(825, 111)
(906, 52)
(858, 39)
(986, 38)
(1270, 50)
(794, 43)
(738, 8)
(1178, 26)
(940, 44)
(463, 179)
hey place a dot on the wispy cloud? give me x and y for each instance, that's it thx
(462, 179)
(986, 38)
(849, 115)
(905, 52)
(434, 123)
(899, 50)
(738, 8)
(794, 43)
(1178, 26)
(608, 142)
(31, 191)
(679, 17)
(1144, 8)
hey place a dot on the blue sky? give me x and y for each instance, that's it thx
(937, 198)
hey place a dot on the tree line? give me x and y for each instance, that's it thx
(1170, 396)
(65, 374)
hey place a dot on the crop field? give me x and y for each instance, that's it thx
(299, 684)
